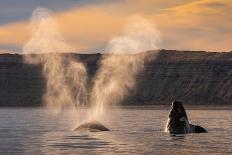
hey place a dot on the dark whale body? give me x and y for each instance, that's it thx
(178, 121)
(93, 126)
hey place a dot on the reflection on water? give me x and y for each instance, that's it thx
(133, 131)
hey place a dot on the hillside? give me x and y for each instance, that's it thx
(195, 77)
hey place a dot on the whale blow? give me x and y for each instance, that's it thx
(178, 122)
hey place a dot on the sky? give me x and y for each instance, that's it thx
(87, 25)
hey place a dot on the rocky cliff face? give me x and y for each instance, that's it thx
(20, 84)
(192, 77)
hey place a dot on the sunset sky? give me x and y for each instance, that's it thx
(87, 25)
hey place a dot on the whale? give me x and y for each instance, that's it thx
(93, 126)
(178, 122)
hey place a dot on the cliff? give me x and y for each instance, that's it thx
(192, 77)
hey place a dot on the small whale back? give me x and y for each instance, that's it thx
(93, 126)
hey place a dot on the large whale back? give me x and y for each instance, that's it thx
(177, 120)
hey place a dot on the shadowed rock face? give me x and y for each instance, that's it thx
(178, 121)
(192, 77)
(93, 126)
(20, 84)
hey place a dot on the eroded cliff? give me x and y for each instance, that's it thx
(193, 77)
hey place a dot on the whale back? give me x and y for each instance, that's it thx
(178, 121)
(199, 129)
(93, 126)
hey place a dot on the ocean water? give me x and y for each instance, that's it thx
(133, 130)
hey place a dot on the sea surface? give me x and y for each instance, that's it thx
(133, 130)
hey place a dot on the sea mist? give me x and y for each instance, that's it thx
(65, 76)
(123, 59)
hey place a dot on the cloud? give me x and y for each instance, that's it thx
(191, 25)
(14, 34)
(85, 29)
(12, 10)
(199, 25)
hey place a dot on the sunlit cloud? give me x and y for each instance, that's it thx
(199, 25)
(188, 25)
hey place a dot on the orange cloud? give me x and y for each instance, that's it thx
(90, 26)
(199, 25)
(84, 29)
(192, 25)
(14, 34)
